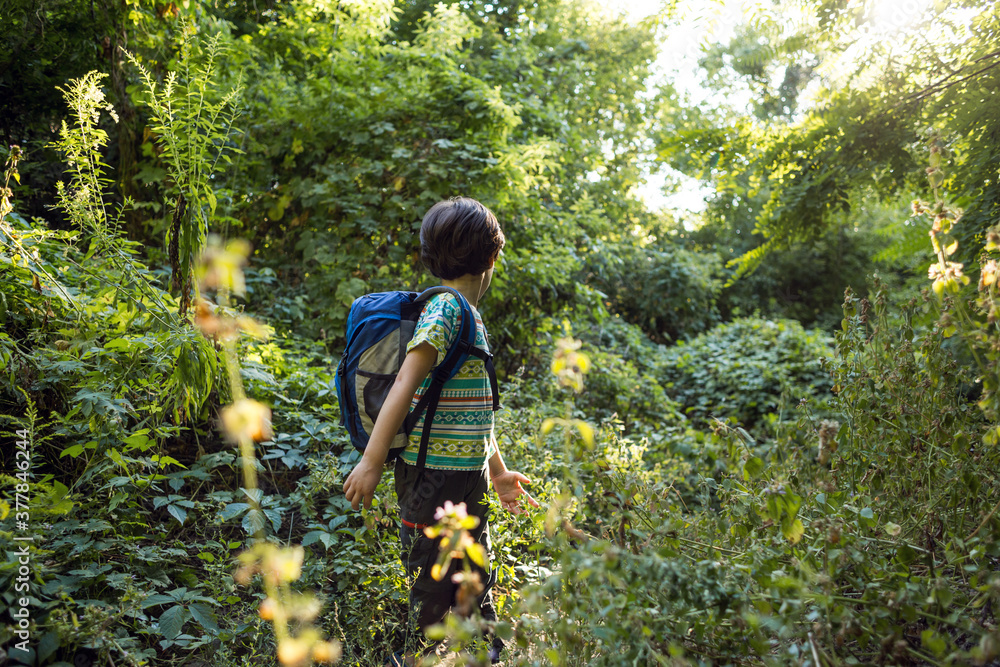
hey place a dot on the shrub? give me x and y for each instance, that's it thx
(669, 292)
(870, 542)
(622, 385)
(747, 369)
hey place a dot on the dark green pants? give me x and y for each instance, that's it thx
(419, 498)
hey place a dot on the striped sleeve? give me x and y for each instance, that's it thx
(438, 324)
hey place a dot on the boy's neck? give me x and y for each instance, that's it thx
(470, 286)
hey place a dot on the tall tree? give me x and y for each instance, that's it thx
(877, 90)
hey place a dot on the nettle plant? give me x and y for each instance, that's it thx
(974, 320)
(106, 378)
(193, 120)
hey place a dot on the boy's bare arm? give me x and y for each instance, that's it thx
(508, 483)
(360, 484)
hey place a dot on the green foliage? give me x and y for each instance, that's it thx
(862, 543)
(860, 131)
(747, 370)
(892, 383)
(43, 45)
(358, 126)
(860, 528)
(125, 389)
(193, 121)
(753, 60)
(806, 280)
(669, 292)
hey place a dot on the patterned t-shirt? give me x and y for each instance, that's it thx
(461, 433)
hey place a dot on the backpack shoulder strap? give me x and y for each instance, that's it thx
(464, 346)
(491, 371)
(465, 341)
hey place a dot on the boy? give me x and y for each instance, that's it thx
(460, 241)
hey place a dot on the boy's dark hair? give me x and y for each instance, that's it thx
(459, 236)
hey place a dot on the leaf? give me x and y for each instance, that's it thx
(792, 503)
(47, 646)
(156, 600)
(116, 456)
(172, 620)
(164, 461)
(933, 642)
(205, 616)
(313, 536)
(906, 554)
(177, 512)
(477, 554)
(118, 344)
(58, 500)
(233, 510)
(138, 440)
(73, 451)
(210, 195)
(793, 531)
(586, 432)
(275, 517)
(179, 594)
(753, 468)
(254, 522)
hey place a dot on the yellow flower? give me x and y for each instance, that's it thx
(292, 651)
(988, 275)
(222, 267)
(947, 277)
(568, 365)
(285, 565)
(267, 609)
(247, 419)
(326, 652)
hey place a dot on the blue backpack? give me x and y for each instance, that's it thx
(379, 326)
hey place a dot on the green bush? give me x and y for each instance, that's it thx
(622, 383)
(873, 541)
(668, 291)
(747, 369)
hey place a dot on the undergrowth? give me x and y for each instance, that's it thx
(760, 494)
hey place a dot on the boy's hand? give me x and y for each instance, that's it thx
(361, 483)
(508, 486)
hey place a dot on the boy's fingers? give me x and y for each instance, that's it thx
(531, 501)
